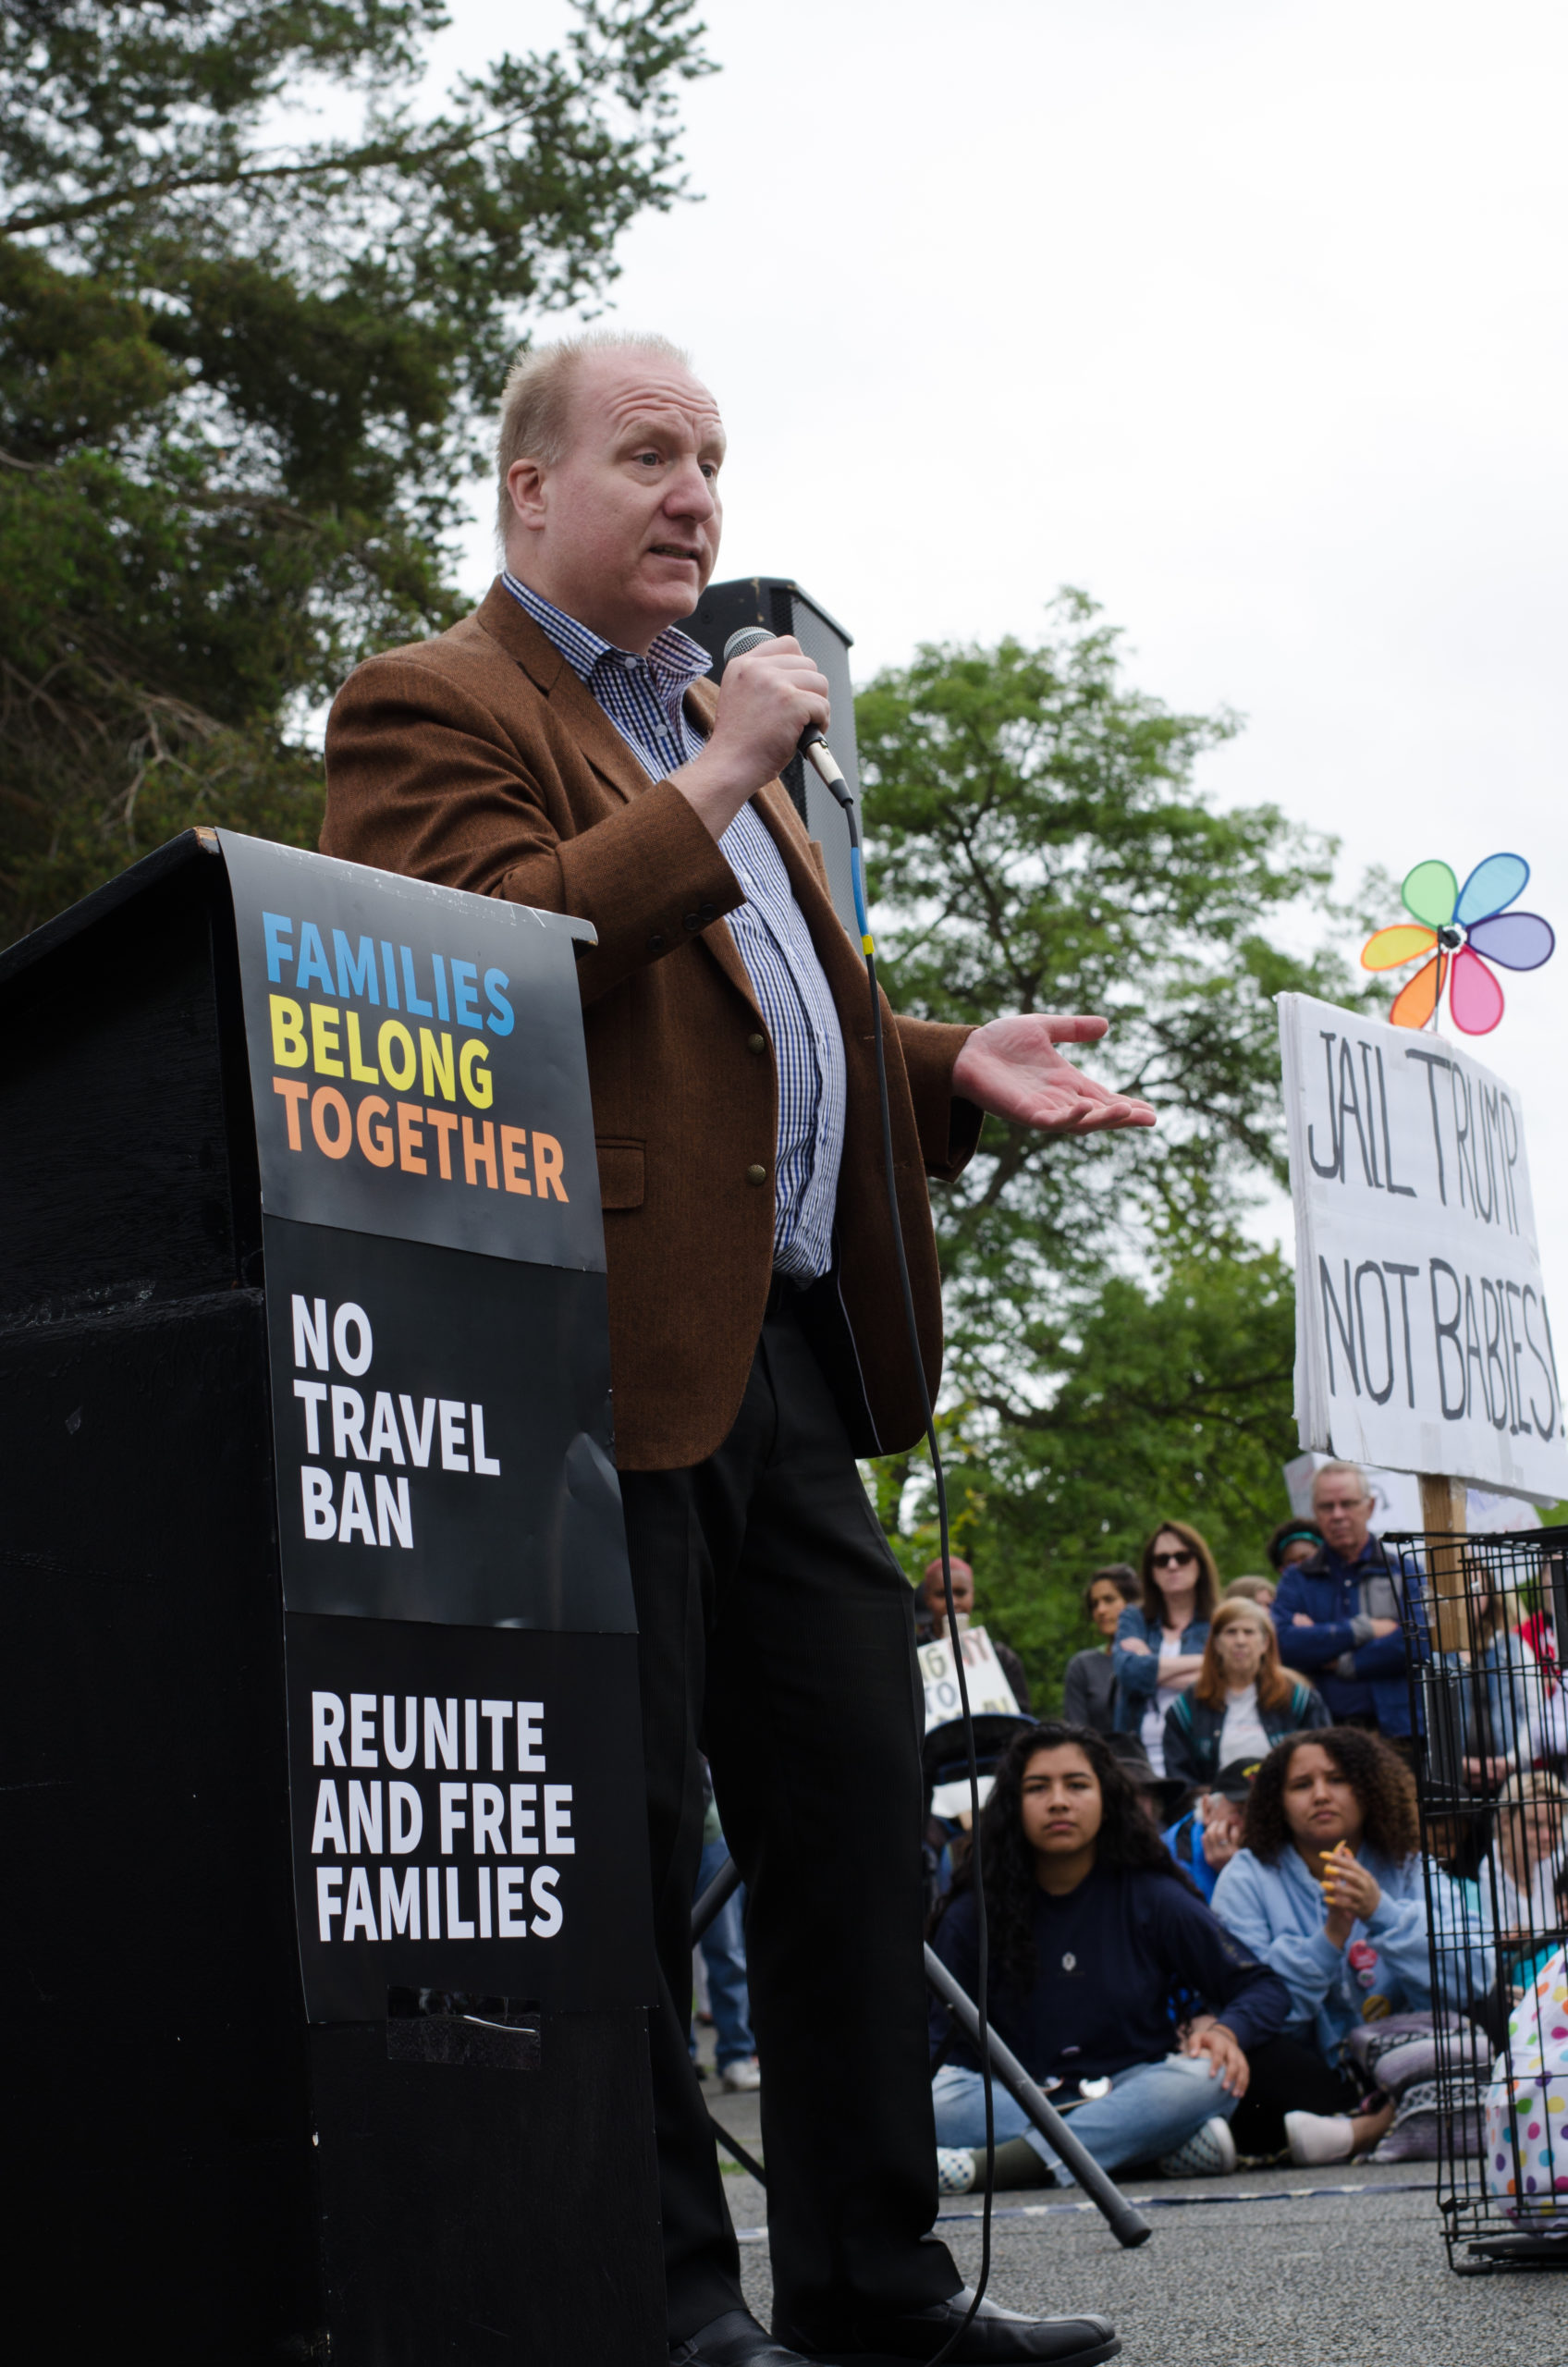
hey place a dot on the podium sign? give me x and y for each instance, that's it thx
(461, 1801)
(1423, 1337)
(319, 1722)
(416, 1058)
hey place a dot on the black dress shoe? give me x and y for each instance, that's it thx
(737, 2340)
(997, 2338)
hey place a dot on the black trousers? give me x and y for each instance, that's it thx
(778, 1636)
(1288, 2077)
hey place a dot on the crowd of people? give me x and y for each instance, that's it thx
(1204, 1881)
(1209, 1906)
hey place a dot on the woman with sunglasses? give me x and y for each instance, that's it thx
(1159, 1640)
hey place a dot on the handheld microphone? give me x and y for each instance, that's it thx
(811, 743)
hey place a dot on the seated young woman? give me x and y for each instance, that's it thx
(1095, 1935)
(1242, 1702)
(1330, 1892)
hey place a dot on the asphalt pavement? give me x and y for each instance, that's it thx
(1340, 2268)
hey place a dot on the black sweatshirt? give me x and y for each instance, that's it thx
(1113, 1955)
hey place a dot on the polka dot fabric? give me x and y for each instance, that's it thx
(1527, 2114)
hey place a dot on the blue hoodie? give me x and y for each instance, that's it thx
(1385, 1967)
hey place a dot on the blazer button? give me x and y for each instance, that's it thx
(691, 920)
(655, 943)
(707, 913)
(756, 1175)
(756, 1043)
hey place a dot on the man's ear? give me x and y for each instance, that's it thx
(525, 489)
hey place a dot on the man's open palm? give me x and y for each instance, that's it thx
(1012, 1068)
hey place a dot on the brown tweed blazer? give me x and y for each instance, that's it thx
(479, 759)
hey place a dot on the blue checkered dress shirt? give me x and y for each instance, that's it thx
(644, 698)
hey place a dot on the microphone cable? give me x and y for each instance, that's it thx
(839, 789)
(813, 745)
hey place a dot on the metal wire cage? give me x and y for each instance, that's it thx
(1488, 1704)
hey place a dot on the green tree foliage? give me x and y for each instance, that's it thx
(245, 364)
(1036, 842)
(1173, 1402)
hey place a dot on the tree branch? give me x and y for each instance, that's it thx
(349, 160)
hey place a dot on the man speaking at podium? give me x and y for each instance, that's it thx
(561, 748)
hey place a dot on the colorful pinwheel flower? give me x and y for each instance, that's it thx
(1458, 925)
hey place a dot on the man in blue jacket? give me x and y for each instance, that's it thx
(1338, 1614)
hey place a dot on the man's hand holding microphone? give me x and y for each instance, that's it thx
(767, 697)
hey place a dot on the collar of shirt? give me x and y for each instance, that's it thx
(1334, 1564)
(643, 699)
(674, 659)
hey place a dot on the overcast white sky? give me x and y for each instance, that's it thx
(1249, 315)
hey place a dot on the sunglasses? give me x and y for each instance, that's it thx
(1170, 1561)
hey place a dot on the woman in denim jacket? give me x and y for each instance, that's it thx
(1159, 1640)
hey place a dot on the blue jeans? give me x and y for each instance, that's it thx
(1151, 2109)
(724, 1952)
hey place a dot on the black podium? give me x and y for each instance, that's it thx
(327, 1937)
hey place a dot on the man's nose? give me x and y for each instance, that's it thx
(689, 494)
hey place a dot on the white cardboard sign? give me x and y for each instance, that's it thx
(988, 1688)
(1396, 1501)
(1423, 1338)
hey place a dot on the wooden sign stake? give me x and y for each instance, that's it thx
(1445, 1513)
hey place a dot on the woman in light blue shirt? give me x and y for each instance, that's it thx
(1330, 1892)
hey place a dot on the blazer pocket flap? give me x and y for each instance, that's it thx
(620, 1173)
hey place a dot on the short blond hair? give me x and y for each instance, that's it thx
(1341, 1470)
(537, 400)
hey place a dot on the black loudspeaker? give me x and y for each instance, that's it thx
(780, 604)
(205, 2164)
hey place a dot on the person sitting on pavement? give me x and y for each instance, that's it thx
(1095, 1935)
(1337, 1616)
(1159, 1640)
(1292, 1541)
(931, 1620)
(1251, 1589)
(1203, 1841)
(1329, 1890)
(1088, 1692)
(1523, 1876)
(1243, 1703)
